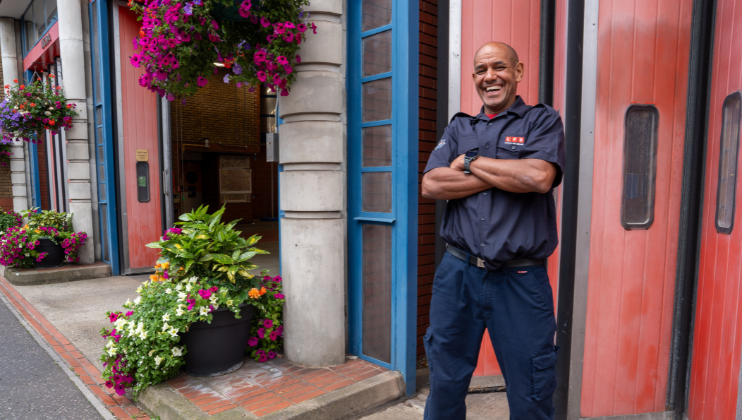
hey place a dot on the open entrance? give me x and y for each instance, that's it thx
(218, 152)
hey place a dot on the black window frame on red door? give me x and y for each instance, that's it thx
(632, 145)
(733, 159)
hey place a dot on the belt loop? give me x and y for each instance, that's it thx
(467, 261)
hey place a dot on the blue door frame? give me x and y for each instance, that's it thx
(33, 160)
(402, 219)
(103, 133)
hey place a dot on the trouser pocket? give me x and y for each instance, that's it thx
(544, 374)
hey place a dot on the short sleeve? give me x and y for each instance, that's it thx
(444, 152)
(545, 141)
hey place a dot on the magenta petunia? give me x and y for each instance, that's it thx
(252, 342)
(271, 355)
(265, 22)
(268, 323)
(261, 332)
(201, 81)
(273, 335)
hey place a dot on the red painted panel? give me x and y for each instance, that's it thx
(139, 107)
(717, 340)
(643, 49)
(514, 22)
(43, 53)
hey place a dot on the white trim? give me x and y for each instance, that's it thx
(584, 203)
(454, 58)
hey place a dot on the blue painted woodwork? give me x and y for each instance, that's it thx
(404, 169)
(103, 123)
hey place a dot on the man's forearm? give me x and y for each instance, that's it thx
(515, 175)
(450, 184)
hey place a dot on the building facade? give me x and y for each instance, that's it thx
(646, 277)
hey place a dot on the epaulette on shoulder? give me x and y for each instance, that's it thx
(460, 114)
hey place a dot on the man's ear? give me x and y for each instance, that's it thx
(519, 70)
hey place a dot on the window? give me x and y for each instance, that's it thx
(639, 166)
(728, 153)
(36, 21)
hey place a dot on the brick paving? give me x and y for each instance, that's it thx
(262, 388)
(121, 406)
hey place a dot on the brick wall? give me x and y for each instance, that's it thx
(426, 207)
(230, 119)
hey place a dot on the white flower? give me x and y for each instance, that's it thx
(128, 302)
(143, 335)
(182, 296)
(165, 326)
(47, 113)
(203, 311)
(177, 351)
(179, 312)
(151, 352)
(140, 327)
(120, 323)
(193, 279)
(27, 254)
(212, 299)
(166, 317)
(168, 290)
(173, 331)
(110, 344)
(229, 302)
(112, 351)
(137, 300)
(179, 287)
(139, 290)
(189, 287)
(158, 360)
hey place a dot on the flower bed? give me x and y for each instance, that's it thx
(204, 265)
(18, 244)
(182, 42)
(30, 109)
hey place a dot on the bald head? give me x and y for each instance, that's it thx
(510, 51)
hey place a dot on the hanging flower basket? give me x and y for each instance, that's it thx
(182, 42)
(30, 109)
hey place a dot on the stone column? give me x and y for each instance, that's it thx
(313, 194)
(73, 80)
(10, 73)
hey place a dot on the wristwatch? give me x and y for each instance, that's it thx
(469, 156)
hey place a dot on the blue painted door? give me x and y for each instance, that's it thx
(382, 182)
(103, 123)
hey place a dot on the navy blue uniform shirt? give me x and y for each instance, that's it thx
(495, 225)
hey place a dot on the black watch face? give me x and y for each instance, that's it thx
(472, 153)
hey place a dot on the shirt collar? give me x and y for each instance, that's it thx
(518, 107)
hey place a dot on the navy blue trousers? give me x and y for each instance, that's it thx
(516, 306)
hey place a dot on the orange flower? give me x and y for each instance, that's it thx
(166, 265)
(51, 122)
(7, 86)
(59, 87)
(141, 33)
(33, 104)
(23, 87)
(15, 80)
(51, 76)
(158, 265)
(253, 293)
(153, 277)
(262, 291)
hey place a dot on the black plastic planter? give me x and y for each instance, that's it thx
(217, 348)
(55, 256)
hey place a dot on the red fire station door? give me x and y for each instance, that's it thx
(717, 339)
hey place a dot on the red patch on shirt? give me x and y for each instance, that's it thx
(522, 272)
(515, 140)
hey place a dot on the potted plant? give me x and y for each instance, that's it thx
(194, 311)
(30, 109)
(47, 240)
(182, 41)
(266, 335)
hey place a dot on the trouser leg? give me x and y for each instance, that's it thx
(454, 337)
(519, 310)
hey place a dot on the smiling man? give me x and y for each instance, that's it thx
(497, 170)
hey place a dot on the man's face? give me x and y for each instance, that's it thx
(496, 77)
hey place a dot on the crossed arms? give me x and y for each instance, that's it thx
(514, 175)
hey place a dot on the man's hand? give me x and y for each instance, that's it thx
(458, 163)
(515, 175)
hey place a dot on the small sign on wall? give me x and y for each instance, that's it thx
(142, 155)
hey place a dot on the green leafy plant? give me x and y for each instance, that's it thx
(48, 218)
(9, 219)
(203, 266)
(266, 335)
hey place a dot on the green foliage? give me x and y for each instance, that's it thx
(204, 247)
(48, 218)
(266, 335)
(8, 220)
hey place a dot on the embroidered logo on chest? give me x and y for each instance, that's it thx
(515, 140)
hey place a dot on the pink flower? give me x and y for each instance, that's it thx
(267, 323)
(282, 60)
(273, 336)
(261, 76)
(204, 293)
(314, 28)
(271, 355)
(252, 342)
(301, 27)
(261, 332)
(289, 37)
(279, 29)
(265, 22)
(112, 317)
(201, 81)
